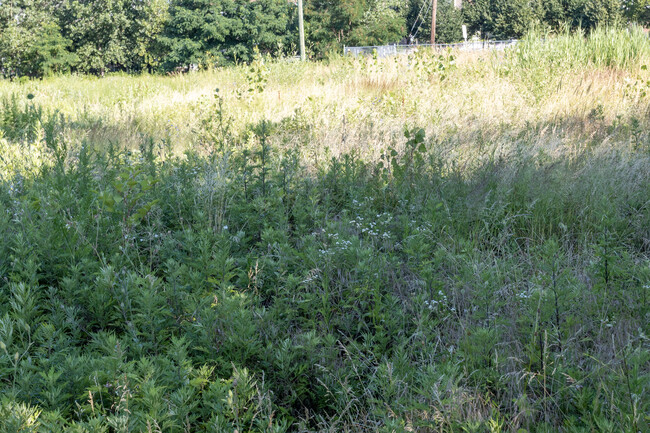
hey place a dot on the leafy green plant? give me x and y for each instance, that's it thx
(256, 76)
(302, 261)
(126, 197)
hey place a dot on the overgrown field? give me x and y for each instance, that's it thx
(431, 243)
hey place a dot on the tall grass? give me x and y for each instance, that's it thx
(602, 47)
(433, 243)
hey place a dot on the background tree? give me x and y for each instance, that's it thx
(384, 21)
(15, 38)
(196, 31)
(329, 23)
(269, 25)
(101, 33)
(637, 11)
(511, 18)
(449, 21)
(499, 18)
(587, 14)
(477, 14)
(40, 37)
(553, 13)
(31, 42)
(149, 19)
(49, 52)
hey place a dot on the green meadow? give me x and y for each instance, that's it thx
(434, 242)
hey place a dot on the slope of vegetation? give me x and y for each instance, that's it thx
(443, 243)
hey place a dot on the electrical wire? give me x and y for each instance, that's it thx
(429, 4)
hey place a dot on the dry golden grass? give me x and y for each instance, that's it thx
(360, 104)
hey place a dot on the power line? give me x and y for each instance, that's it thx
(417, 18)
(429, 3)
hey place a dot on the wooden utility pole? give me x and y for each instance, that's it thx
(301, 28)
(433, 22)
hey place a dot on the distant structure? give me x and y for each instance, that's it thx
(458, 4)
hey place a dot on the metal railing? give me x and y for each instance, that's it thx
(395, 49)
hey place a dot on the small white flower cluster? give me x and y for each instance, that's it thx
(338, 246)
(313, 276)
(149, 237)
(385, 217)
(343, 245)
(378, 227)
(441, 302)
(237, 237)
(18, 212)
(523, 295)
(607, 323)
(16, 186)
(431, 305)
(425, 227)
(13, 189)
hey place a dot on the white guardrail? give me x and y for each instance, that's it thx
(395, 49)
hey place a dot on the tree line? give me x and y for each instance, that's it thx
(43, 37)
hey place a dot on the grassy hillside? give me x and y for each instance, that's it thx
(433, 243)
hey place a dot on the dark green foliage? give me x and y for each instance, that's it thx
(449, 22)
(206, 33)
(507, 19)
(100, 33)
(31, 43)
(637, 11)
(383, 21)
(330, 25)
(236, 288)
(590, 13)
(500, 19)
(477, 14)
(511, 18)
(50, 52)
(268, 25)
(148, 20)
(553, 13)
(197, 31)
(96, 36)
(40, 37)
